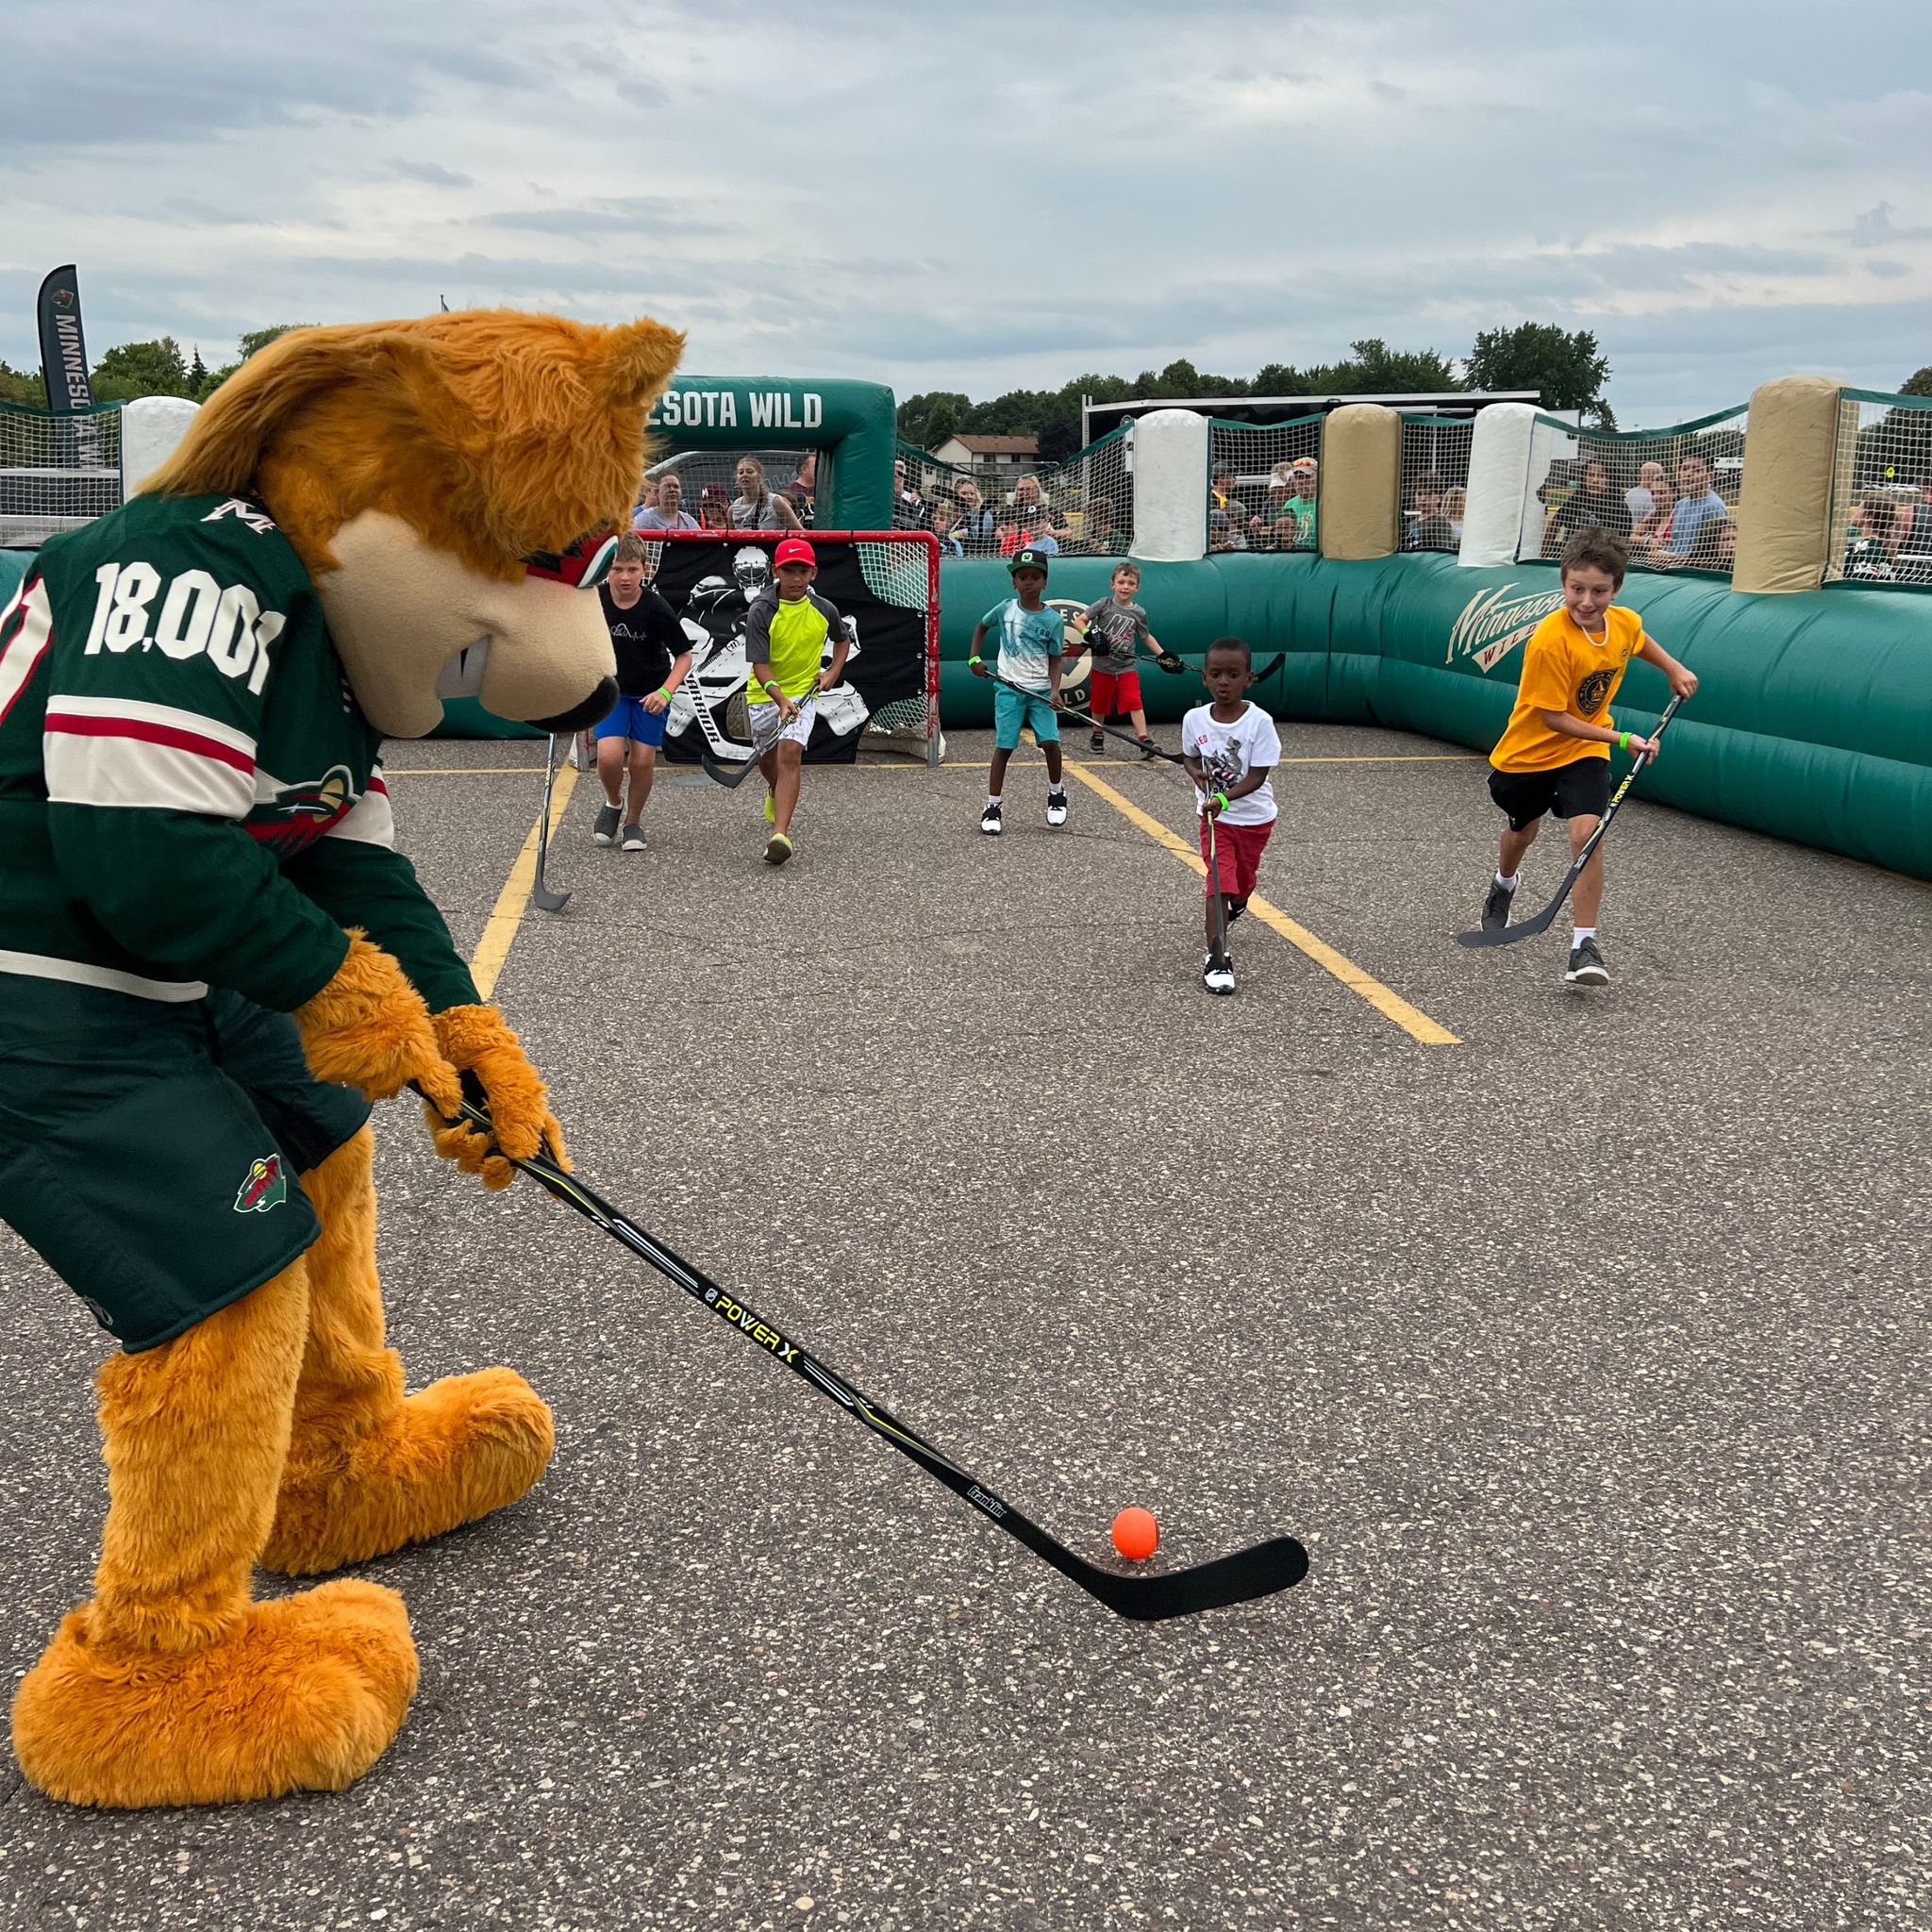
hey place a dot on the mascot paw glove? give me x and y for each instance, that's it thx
(477, 1039)
(370, 1028)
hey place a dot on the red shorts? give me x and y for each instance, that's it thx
(1238, 851)
(1107, 695)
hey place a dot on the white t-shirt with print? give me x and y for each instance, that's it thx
(1228, 753)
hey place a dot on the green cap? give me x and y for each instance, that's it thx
(1026, 559)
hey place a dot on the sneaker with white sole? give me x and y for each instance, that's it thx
(778, 849)
(1217, 978)
(604, 831)
(990, 821)
(633, 838)
(1587, 966)
(1056, 807)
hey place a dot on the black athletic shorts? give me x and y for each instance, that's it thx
(149, 1151)
(1580, 790)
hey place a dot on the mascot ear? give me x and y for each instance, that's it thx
(639, 358)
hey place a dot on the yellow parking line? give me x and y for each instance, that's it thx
(1417, 1025)
(492, 949)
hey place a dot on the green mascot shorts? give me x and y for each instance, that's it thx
(149, 1151)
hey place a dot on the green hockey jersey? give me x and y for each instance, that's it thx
(189, 793)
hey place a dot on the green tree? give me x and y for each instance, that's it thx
(197, 373)
(1918, 383)
(1565, 368)
(142, 369)
(1059, 438)
(941, 424)
(24, 387)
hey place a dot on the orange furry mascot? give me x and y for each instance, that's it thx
(213, 957)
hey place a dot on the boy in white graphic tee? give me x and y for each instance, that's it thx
(1229, 747)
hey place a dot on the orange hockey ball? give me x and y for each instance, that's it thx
(1136, 1535)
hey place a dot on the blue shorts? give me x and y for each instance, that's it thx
(1012, 708)
(632, 720)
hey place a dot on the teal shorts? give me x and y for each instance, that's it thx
(149, 1151)
(1012, 708)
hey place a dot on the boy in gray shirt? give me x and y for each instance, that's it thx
(1116, 627)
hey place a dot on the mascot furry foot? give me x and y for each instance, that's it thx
(368, 1469)
(172, 1687)
(213, 957)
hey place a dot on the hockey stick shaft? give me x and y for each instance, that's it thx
(1260, 1571)
(1529, 928)
(540, 894)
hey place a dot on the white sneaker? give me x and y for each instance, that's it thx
(1056, 807)
(989, 821)
(1217, 978)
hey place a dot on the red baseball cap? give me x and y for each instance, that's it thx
(794, 550)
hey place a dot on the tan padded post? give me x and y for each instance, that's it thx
(1361, 481)
(1784, 507)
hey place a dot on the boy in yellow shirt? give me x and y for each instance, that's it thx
(1554, 757)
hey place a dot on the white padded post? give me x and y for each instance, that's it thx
(1170, 487)
(1498, 481)
(150, 428)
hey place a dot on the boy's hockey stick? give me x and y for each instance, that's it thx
(731, 777)
(541, 895)
(1260, 1571)
(1509, 935)
(1215, 892)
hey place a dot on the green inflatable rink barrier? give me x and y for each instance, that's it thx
(1813, 721)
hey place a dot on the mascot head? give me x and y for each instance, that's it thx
(446, 482)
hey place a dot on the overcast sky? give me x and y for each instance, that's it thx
(973, 196)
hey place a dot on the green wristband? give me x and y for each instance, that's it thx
(1624, 743)
(664, 693)
(976, 658)
(1220, 799)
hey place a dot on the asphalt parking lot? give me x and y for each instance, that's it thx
(1585, 1348)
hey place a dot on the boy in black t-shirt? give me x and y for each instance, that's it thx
(652, 659)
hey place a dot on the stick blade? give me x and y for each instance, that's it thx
(1524, 929)
(731, 779)
(544, 900)
(1261, 1571)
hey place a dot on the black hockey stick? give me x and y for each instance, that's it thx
(540, 895)
(731, 776)
(1510, 935)
(1215, 892)
(1260, 1571)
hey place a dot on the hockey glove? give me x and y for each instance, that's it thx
(477, 1039)
(369, 1028)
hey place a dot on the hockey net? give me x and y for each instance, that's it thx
(885, 583)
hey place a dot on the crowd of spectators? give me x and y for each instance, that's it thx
(1668, 522)
(966, 525)
(756, 506)
(1889, 540)
(1283, 517)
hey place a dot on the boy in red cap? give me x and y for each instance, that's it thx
(785, 633)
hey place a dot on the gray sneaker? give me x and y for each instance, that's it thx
(1587, 966)
(633, 838)
(604, 831)
(1496, 905)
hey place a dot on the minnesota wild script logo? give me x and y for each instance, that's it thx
(1493, 623)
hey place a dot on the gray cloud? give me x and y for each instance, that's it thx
(1234, 183)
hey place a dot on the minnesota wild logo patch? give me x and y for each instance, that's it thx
(266, 1186)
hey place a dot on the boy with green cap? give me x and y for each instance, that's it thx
(1032, 638)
